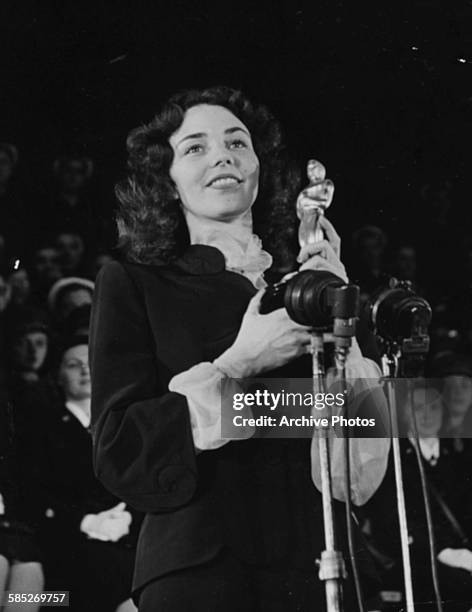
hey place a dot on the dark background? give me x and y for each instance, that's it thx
(380, 92)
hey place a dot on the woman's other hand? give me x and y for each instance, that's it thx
(325, 254)
(264, 342)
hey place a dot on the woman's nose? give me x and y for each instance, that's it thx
(222, 156)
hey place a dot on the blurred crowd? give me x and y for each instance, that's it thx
(59, 528)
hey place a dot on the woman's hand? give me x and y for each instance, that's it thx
(107, 526)
(264, 342)
(324, 255)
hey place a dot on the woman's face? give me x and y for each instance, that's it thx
(215, 168)
(457, 392)
(428, 410)
(74, 373)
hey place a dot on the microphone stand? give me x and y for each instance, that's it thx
(392, 311)
(331, 566)
(346, 311)
(390, 369)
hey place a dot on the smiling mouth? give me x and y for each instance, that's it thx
(224, 181)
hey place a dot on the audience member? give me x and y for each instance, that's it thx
(455, 372)
(72, 253)
(29, 387)
(20, 285)
(77, 323)
(405, 265)
(368, 267)
(29, 340)
(45, 270)
(68, 294)
(71, 207)
(88, 536)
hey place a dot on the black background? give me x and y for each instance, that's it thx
(377, 91)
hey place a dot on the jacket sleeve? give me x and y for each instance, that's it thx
(143, 447)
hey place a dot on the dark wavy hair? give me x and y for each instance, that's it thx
(151, 225)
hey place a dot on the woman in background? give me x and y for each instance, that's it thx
(87, 535)
(455, 370)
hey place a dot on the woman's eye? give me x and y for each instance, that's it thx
(238, 144)
(195, 148)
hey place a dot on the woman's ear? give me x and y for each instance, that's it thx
(173, 190)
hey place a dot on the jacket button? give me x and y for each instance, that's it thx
(177, 479)
(168, 478)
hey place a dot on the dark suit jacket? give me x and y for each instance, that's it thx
(150, 323)
(67, 484)
(64, 489)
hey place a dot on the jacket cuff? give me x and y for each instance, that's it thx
(202, 386)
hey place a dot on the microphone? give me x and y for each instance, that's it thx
(312, 203)
(345, 312)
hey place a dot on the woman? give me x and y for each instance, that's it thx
(238, 523)
(456, 373)
(67, 295)
(84, 530)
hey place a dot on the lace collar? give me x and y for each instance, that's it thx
(241, 248)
